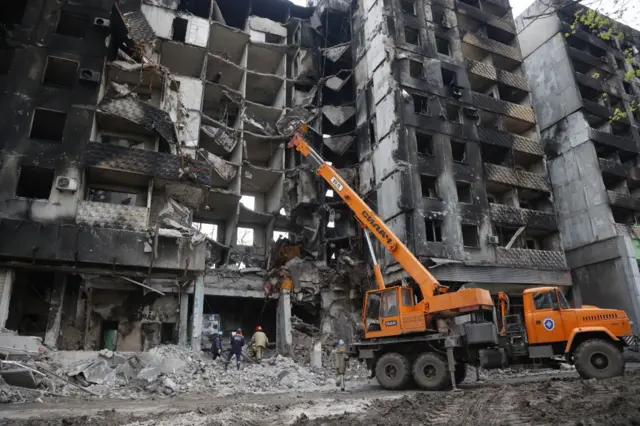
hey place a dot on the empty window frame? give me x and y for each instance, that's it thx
(35, 182)
(420, 104)
(448, 77)
(408, 6)
(470, 236)
(429, 186)
(433, 230)
(416, 69)
(443, 46)
(424, 143)
(179, 29)
(120, 197)
(464, 192)
(12, 12)
(48, 124)
(412, 36)
(453, 113)
(60, 72)
(244, 236)
(73, 25)
(459, 152)
(6, 58)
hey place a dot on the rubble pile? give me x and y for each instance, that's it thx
(169, 370)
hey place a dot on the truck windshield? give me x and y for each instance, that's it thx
(563, 301)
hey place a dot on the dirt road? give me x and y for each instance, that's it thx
(538, 400)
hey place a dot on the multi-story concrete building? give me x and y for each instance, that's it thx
(449, 150)
(145, 175)
(577, 82)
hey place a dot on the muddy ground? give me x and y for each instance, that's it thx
(561, 399)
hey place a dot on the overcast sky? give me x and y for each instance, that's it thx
(631, 17)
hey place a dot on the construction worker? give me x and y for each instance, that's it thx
(216, 345)
(259, 340)
(341, 363)
(237, 343)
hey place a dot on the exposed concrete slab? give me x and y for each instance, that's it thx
(234, 284)
(260, 149)
(339, 144)
(221, 205)
(265, 25)
(223, 71)
(251, 217)
(218, 140)
(223, 171)
(267, 58)
(182, 59)
(263, 88)
(338, 115)
(258, 179)
(227, 42)
(265, 115)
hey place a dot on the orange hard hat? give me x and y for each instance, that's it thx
(258, 328)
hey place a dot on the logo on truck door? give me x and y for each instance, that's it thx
(391, 323)
(549, 324)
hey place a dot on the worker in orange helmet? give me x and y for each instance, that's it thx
(259, 340)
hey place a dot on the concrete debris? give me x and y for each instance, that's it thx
(148, 374)
(288, 123)
(338, 115)
(339, 144)
(334, 53)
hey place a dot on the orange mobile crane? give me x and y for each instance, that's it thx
(415, 331)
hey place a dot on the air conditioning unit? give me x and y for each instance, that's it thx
(89, 75)
(493, 239)
(64, 183)
(101, 22)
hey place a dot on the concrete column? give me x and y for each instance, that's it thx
(183, 330)
(55, 310)
(196, 320)
(6, 285)
(284, 336)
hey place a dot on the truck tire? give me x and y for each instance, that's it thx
(599, 359)
(460, 373)
(430, 372)
(393, 371)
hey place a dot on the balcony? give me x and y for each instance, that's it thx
(588, 58)
(507, 215)
(145, 162)
(501, 49)
(516, 178)
(487, 18)
(113, 216)
(519, 112)
(615, 168)
(57, 244)
(496, 75)
(626, 144)
(595, 84)
(538, 259)
(624, 201)
(508, 140)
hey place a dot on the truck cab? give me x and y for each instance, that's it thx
(589, 337)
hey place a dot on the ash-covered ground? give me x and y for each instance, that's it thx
(502, 398)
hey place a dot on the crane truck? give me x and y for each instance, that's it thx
(425, 333)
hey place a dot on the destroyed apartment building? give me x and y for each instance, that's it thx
(149, 195)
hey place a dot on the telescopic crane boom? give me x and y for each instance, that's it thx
(427, 283)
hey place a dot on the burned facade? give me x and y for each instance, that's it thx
(149, 195)
(578, 81)
(449, 151)
(144, 172)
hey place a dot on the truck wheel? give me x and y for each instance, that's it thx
(393, 371)
(430, 372)
(598, 359)
(460, 373)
